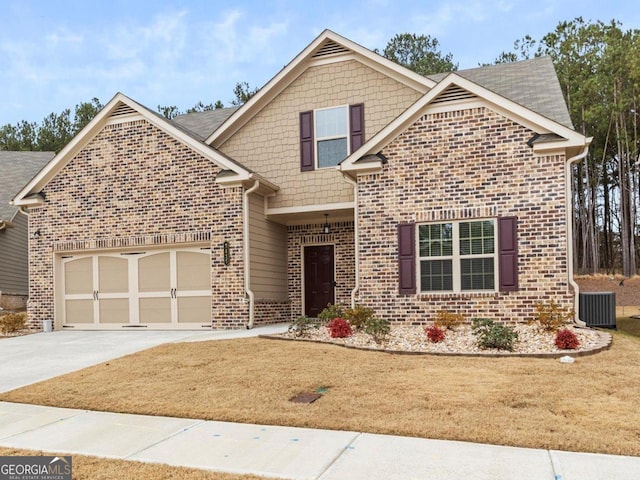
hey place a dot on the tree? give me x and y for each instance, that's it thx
(418, 53)
(243, 93)
(169, 111)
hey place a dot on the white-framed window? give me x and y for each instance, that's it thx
(331, 135)
(458, 256)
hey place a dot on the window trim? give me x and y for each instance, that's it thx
(456, 257)
(317, 138)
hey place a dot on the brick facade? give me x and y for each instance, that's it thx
(135, 185)
(342, 238)
(464, 164)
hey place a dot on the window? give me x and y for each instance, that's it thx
(457, 256)
(331, 136)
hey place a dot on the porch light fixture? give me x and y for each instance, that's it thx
(326, 228)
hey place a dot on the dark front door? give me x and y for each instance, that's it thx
(318, 279)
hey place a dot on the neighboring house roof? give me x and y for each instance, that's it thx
(203, 124)
(531, 83)
(16, 169)
(122, 108)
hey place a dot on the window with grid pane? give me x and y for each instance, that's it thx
(332, 129)
(457, 256)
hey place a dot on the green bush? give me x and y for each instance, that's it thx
(493, 335)
(331, 312)
(358, 316)
(13, 322)
(378, 328)
(303, 325)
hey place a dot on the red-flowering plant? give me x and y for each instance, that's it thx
(434, 333)
(339, 328)
(567, 340)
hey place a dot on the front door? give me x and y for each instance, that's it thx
(318, 279)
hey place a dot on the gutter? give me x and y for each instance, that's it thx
(356, 237)
(247, 257)
(569, 210)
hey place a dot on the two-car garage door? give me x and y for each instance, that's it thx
(163, 289)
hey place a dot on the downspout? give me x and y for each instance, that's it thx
(569, 215)
(247, 257)
(356, 237)
(2, 225)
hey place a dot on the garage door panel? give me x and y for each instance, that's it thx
(78, 276)
(79, 311)
(114, 310)
(193, 271)
(154, 273)
(155, 310)
(113, 274)
(194, 310)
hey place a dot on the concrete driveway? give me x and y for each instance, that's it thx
(33, 358)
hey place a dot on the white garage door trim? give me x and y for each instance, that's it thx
(155, 289)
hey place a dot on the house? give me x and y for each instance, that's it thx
(16, 169)
(345, 179)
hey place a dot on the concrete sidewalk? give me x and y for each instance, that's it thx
(292, 453)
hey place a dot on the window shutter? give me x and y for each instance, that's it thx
(356, 126)
(306, 141)
(508, 253)
(407, 258)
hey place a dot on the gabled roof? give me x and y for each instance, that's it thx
(531, 83)
(457, 88)
(327, 47)
(16, 169)
(203, 124)
(122, 108)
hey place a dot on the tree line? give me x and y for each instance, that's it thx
(598, 66)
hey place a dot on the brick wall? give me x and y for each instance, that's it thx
(341, 237)
(269, 143)
(455, 165)
(135, 185)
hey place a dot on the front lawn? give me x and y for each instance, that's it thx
(592, 405)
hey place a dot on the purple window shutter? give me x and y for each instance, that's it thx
(356, 126)
(407, 258)
(508, 253)
(306, 141)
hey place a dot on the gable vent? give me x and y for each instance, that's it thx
(330, 48)
(453, 93)
(122, 109)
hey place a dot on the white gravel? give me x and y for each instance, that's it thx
(531, 340)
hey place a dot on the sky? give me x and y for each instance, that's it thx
(55, 54)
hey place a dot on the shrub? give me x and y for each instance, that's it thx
(331, 312)
(567, 340)
(493, 335)
(302, 325)
(448, 320)
(358, 316)
(434, 333)
(13, 322)
(551, 316)
(339, 328)
(377, 328)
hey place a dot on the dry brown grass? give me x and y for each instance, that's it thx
(592, 405)
(94, 468)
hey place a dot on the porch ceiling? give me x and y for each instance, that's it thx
(311, 217)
